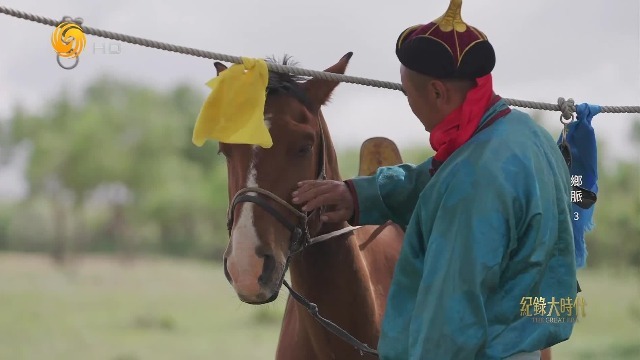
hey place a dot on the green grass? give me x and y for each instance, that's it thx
(611, 328)
(170, 309)
(152, 309)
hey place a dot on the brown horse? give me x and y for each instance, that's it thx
(348, 276)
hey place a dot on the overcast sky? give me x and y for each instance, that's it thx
(587, 50)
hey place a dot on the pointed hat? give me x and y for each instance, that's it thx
(446, 48)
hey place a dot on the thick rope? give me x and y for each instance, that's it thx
(566, 107)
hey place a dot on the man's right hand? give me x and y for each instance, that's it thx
(332, 194)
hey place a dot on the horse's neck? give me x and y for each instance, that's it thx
(330, 263)
(333, 274)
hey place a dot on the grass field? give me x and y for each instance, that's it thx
(169, 309)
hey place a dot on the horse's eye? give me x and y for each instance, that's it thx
(305, 149)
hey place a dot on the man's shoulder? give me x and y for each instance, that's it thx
(513, 144)
(523, 119)
(518, 126)
(514, 135)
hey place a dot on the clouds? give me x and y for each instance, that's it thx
(545, 49)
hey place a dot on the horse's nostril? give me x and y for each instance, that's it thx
(268, 267)
(226, 272)
(262, 251)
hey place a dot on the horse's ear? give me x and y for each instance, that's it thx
(319, 91)
(220, 67)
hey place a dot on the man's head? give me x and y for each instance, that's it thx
(431, 99)
(440, 63)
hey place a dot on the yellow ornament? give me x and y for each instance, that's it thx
(452, 18)
(234, 110)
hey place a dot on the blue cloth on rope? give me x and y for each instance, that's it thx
(581, 139)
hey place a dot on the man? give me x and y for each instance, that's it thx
(487, 218)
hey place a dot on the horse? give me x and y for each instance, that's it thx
(348, 276)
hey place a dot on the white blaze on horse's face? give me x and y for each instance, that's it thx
(244, 263)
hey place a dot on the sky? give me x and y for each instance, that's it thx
(585, 50)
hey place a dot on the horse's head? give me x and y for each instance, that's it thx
(264, 227)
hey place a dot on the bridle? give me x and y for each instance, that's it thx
(300, 239)
(300, 234)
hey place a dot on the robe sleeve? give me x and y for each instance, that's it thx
(472, 231)
(390, 194)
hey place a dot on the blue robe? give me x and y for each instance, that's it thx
(492, 226)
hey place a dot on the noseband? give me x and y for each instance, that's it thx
(300, 236)
(300, 239)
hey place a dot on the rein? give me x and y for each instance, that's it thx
(335, 329)
(300, 239)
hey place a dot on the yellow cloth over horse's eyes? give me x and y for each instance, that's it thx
(234, 110)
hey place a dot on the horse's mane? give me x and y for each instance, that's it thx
(285, 83)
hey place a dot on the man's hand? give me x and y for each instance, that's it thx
(334, 195)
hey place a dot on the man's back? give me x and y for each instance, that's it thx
(490, 228)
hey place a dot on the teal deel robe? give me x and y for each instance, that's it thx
(492, 226)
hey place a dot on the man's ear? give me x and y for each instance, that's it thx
(220, 67)
(319, 91)
(438, 88)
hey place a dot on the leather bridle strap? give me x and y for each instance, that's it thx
(323, 154)
(299, 231)
(242, 196)
(313, 310)
(331, 235)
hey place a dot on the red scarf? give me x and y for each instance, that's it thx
(458, 127)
